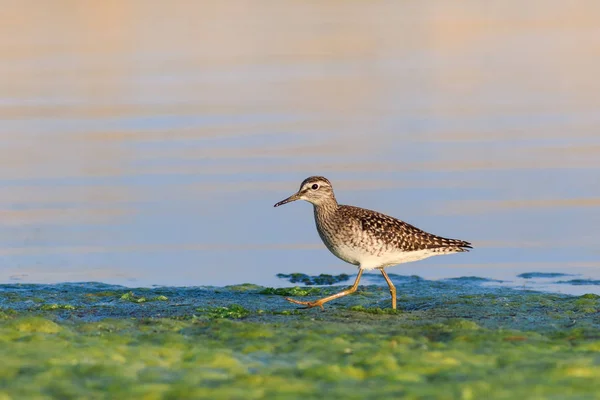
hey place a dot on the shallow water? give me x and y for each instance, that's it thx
(144, 143)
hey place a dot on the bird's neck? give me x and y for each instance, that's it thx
(326, 208)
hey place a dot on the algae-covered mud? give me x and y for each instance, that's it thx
(452, 339)
(322, 279)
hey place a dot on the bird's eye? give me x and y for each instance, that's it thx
(315, 186)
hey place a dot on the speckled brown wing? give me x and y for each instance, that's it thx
(399, 234)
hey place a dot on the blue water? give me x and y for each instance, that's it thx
(152, 152)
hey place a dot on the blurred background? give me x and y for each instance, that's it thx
(145, 142)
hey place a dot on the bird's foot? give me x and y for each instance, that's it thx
(306, 304)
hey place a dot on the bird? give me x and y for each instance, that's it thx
(366, 238)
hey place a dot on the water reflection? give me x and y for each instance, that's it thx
(144, 143)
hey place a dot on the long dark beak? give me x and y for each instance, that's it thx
(294, 197)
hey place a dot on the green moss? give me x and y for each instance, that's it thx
(292, 291)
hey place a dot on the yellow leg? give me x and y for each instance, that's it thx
(392, 287)
(320, 302)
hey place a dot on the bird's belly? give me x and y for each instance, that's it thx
(349, 254)
(368, 260)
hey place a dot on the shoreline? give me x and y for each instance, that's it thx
(451, 339)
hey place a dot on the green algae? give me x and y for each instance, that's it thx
(7, 313)
(291, 291)
(224, 359)
(34, 324)
(130, 296)
(531, 275)
(590, 296)
(244, 287)
(233, 311)
(322, 279)
(50, 307)
(452, 340)
(581, 282)
(374, 310)
(287, 312)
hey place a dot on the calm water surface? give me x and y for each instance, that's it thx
(145, 143)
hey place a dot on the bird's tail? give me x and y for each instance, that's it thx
(453, 245)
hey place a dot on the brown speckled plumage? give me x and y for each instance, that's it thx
(368, 238)
(377, 233)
